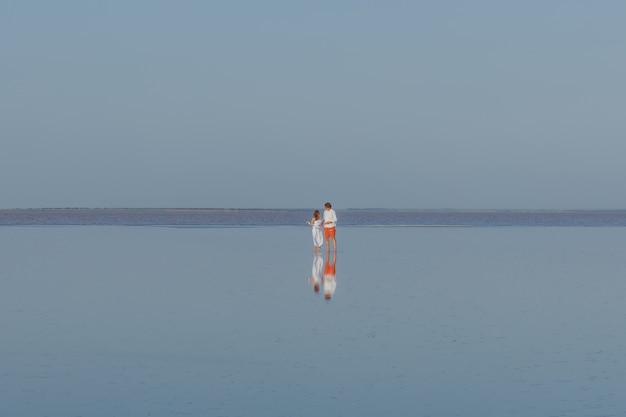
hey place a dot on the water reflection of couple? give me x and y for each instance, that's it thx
(323, 273)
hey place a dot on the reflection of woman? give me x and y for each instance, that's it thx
(317, 231)
(317, 272)
(330, 282)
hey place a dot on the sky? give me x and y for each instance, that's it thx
(289, 104)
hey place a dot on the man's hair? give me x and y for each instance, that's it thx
(328, 205)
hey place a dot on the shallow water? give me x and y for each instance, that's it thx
(149, 321)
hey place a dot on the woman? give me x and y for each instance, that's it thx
(316, 230)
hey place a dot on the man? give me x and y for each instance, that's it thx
(330, 223)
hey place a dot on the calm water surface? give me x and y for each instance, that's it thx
(461, 321)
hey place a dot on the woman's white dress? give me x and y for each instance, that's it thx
(318, 233)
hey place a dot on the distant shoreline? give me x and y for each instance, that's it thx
(426, 210)
(245, 217)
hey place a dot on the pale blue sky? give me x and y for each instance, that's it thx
(398, 104)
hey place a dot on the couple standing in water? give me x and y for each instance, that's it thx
(328, 225)
(324, 229)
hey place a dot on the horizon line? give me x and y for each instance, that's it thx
(309, 208)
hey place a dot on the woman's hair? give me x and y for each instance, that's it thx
(316, 214)
(328, 205)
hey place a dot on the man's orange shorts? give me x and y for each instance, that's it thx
(329, 232)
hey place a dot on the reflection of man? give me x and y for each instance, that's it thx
(317, 271)
(330, 283)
